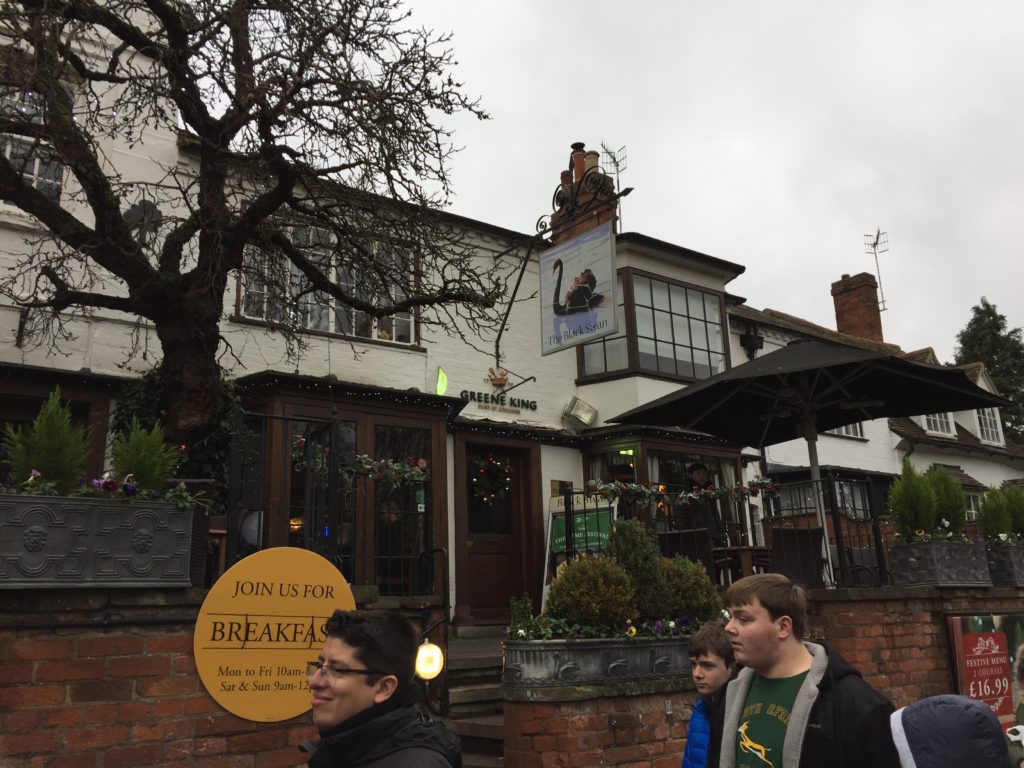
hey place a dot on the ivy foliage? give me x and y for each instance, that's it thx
(207, 456)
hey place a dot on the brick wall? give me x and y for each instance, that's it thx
(645, 730)
(107, 679)
(897, 637)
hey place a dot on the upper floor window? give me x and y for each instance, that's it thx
(850, 430)
(938, 422)
(34, 161)
(676, 330)
(973, 505)
(988, 425)
(273, 294)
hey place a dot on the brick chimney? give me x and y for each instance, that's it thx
(857, 312)
(585, 198)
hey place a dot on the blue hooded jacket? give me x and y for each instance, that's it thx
(697, 735)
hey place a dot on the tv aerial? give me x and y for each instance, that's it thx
(617, 160)
(876, 244)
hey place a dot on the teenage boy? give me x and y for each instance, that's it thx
(711, 660)
(797, 704)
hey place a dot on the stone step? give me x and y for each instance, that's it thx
(482, 761)
(476, 631)
(487, 727)
(464, 694)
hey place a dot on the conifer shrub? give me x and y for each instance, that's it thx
(633, 546)
(1014, 495)
(950, 501)
(144, 456)
(593, 591)
(994, 518)
(912, 504)
(690, 591)
(52, 445)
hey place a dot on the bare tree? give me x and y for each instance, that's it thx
(312, 163)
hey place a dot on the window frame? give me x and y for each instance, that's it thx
(626, 277)
(296, 315)
(38, 153)
(981, 415)
(854, 431)
(945, 417)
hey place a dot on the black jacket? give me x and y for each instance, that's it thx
(847, 725)
(401, 737)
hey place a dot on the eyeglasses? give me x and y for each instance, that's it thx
(335, 673)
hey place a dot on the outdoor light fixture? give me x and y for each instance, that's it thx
(584, 413)
(429, 660)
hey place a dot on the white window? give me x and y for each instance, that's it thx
(850, 430)
(938, 422)
(973, 505)
(32, 160)
(988, 425)
(266, 285)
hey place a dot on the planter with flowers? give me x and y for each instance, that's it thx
(615, 623)
(59, 529)
(928, 512)
(1001, 520)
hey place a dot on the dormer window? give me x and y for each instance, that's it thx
(988, 425)
(940, 423)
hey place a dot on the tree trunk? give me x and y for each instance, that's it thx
(191, 377)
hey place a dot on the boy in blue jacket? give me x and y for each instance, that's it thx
(711, 658)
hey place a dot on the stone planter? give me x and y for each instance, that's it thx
(1006, 565)
(939, 564)
(53, 541)
(547, 670)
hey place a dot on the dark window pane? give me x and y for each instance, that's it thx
(684, 362)
(678, 295)
(647, 358)
(593, 358)
(666, 361)
(698, 334)
(696, 302)
(644, 322)
(717, 363)
(711, 308)
(714, 337)
(660, 294)
(681, 330)
(701, 364)
(617, 353)
(663, 326)
(641, 291)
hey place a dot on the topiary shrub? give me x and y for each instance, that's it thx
(1014, 495)
(145, 456)
(950, 501)
(633, 546)
(690, 591)
(52, 446)
(912, 504)
(593, 591)
(994, 517)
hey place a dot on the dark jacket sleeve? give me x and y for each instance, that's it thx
(716, 722)
(859, 715)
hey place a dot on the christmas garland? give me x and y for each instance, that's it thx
(387, 471)
(646, 494)
(490, 480)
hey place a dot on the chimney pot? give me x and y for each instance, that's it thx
(578, 160)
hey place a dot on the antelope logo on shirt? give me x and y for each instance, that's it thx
(752, 747)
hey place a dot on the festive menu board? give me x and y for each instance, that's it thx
(987, 651)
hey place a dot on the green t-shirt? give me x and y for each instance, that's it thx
(764, 721)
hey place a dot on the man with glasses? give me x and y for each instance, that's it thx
(364, 698)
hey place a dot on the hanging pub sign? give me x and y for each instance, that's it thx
(987, 649)
(260, 625)
(577, 290)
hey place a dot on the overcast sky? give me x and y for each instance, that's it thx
(772, 134)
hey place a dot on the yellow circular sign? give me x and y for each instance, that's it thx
(260, 625)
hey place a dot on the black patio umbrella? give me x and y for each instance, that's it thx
(808, 387)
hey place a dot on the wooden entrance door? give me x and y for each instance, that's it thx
(494, 505)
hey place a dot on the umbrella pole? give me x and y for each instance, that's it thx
(811, 436)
